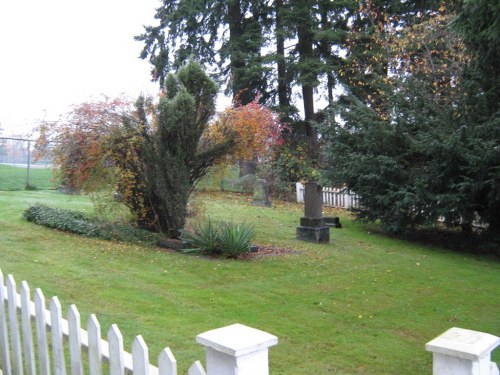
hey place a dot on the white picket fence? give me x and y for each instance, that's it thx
(21, 353)
(231, 350)
(332, 197)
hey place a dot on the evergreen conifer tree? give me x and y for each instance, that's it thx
(173, 155)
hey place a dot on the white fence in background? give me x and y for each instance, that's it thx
(38, 344)
(340, 198)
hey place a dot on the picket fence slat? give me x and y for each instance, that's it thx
(26, 313)
(56, 323)
(115, 342)
(167, 365)
(4, 339)
(140, 356)
(15, 338)
(95, 347)
(41, 333)
(75, 341)
(196, 369)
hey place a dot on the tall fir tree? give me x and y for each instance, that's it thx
(224, 34)
(430, 152)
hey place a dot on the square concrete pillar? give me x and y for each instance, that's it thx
(237, 350)
(463, 352)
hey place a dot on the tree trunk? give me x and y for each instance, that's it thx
(237, 62)
(308, 79)
(283, 97)
(247, 167)
(326, 50)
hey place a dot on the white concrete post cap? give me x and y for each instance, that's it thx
(463, 343)
(237, 339)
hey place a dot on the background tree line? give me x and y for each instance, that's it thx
(410, 120)
(415, 128)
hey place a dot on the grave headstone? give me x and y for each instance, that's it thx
(243, 184)
(312, 226)
(261, 194)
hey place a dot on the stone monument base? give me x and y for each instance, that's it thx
(332, 221)
(313, 230)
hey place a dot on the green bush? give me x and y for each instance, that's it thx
(65, 220)
(79, 223)
(219, 238)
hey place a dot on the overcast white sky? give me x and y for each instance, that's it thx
(55, 53)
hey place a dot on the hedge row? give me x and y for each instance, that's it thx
(79, 223)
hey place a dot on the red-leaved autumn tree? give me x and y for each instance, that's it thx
(256, 130)
(83, 140)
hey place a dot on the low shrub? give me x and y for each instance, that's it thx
(65, 220)
(219, 238)
(79, 223)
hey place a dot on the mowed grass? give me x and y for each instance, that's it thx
(363, 304)
(16, 178)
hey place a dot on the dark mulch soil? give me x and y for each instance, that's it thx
(264, 251)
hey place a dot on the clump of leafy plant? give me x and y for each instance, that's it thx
(219, 238)
(57, 218)
(79, 223)
(236, 239)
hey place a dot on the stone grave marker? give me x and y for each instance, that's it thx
(312, 226)
(261, 194)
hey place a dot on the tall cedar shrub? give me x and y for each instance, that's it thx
(174, 154)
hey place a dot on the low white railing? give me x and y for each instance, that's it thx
(332, 197)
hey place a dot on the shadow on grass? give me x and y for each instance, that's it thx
(478, 242)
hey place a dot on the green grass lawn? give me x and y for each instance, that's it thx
(363, 304)
(15, 178)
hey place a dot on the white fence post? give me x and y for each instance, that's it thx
(41, 333)
(56, 324)
(299, 190)
(17, 359)
(4, 336)
(75, 341)
(237, 350)
(463, 352)
(26, 313)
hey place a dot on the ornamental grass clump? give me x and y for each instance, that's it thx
(236, 239)
(219, 238)
(203, 238)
